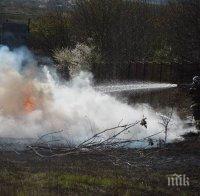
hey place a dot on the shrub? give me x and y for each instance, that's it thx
(51, 31)
(81, 58)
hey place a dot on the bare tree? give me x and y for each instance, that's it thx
(166, 119)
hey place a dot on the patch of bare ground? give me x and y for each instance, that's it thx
(142, 172)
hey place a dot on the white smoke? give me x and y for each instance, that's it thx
(74, 107)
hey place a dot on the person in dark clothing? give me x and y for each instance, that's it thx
(195, 94)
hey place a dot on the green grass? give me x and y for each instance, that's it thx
(77, 183)
(26, 174)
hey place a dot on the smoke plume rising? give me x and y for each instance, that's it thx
(33, 103)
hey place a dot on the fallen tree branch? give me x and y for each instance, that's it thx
(97, 143)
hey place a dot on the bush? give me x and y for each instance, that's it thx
(184, 30)
(81, 58)
(121, 30)
(51, 31)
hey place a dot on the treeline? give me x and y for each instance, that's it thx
(123, 32)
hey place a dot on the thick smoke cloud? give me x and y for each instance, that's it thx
(33, 103)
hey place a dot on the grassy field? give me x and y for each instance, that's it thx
(93, 174)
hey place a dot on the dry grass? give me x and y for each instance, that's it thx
(26, 174)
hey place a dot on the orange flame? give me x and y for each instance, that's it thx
(29, 104)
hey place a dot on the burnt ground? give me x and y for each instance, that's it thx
(131, 172)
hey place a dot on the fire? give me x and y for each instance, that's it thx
(29, 104)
